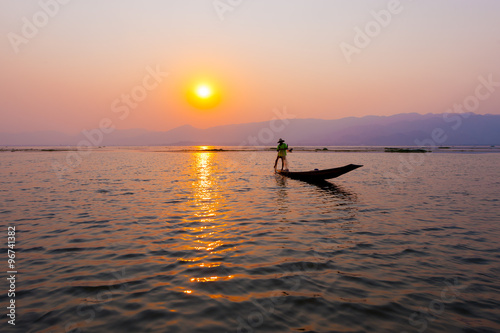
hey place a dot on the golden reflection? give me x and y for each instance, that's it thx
(210, 265)
(206, 236)
(191, 259)
(205, 147)
(212, 278)
(204, 186)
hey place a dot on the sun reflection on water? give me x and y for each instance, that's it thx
(208, 234)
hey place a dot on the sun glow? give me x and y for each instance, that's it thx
(204, 91)
(203, 95)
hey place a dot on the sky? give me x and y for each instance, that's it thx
(68, 64)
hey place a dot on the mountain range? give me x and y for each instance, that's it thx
(408, 129)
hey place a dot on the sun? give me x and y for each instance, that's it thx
(203, 95)
(203, 91)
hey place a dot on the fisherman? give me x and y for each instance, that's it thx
(282, 148)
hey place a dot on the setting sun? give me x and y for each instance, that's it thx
(203, 91)
(203, 96)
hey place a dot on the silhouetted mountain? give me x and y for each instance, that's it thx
(402, 129)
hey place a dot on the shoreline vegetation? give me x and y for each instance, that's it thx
(339, 149)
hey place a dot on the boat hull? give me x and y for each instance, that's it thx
(317, 175)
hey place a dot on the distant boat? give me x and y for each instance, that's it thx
(318, 175)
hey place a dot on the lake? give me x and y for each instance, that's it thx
(132, 240)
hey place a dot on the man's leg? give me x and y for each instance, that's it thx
(276, 162)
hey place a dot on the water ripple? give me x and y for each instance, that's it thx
(184, 242)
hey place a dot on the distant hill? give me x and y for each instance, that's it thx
(401, 130)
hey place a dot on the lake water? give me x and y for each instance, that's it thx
(144, 241)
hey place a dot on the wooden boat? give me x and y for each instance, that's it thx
(317, 175)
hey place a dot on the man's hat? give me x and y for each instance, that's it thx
(281, 140)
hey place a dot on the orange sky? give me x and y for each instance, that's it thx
(262, 55)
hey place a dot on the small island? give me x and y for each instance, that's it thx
(404, 150)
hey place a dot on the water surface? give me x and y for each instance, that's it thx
(144, 241)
